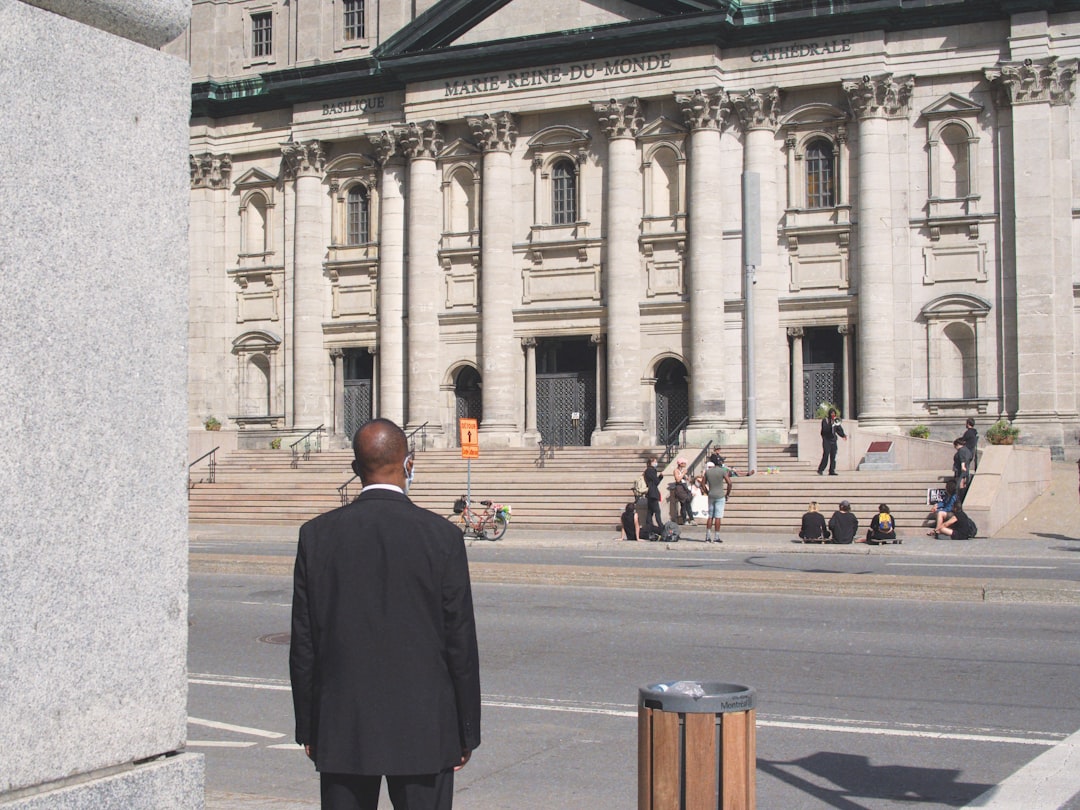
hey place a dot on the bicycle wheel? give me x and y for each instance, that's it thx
(495, 528)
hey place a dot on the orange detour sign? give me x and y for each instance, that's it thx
(470, 447)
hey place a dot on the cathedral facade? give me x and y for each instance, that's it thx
(611, 223)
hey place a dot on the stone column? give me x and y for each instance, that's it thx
(759, 114)
(390, 391)
(337, 357)
(304, 163)
(704, 114)
(798, 400)
(529, 345)
(597, 340)
(845, 364)
(1040, 314)
(420, 143)
(620, 122)
(207, 288)
(495, 135)
(875, 101)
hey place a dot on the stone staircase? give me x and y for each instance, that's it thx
(573, 487)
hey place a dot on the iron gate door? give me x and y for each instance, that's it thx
(821, 383)
(558, 398)
(672, 404)
(359, 369)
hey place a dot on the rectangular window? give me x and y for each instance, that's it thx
(354, 20)
(262, 35)
(564, 194)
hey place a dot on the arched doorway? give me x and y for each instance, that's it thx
(468, 403)
(672, 398)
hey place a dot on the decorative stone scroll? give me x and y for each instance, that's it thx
(210, 171)
(303, 159)
(494, 133)
(758, 110)
(880, 96)
(1030, 82)
(704, 110)
(421, 140)
(620, 119)
(385, 145)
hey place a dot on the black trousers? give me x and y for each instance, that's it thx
(655, 518)
(346, 791)
(828, 455)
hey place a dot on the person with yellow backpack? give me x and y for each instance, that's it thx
(882, 527)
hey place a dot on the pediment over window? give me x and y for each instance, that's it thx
(559, 138)
(660, 129)
(458, 148)
(256, 340)
(956, 305)
(350, 164)
(951, 105)
(254, 178)
(815, 115)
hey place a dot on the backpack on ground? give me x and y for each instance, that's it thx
(884, 522)
(640, 487)
(965, 528)
(670, 533)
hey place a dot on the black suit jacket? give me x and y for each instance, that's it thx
(383, 659)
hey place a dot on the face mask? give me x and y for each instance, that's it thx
(408, 474)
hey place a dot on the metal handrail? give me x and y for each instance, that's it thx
(212, 465)
(422, 430)
(698, 458)
(343, 490)
(307, 445)
(671, 442)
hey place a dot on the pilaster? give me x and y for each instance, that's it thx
(704, 113)
(303, 162)
(876, 100)
(620, 121)
(1038, 95)
(759, 114)
(420, 143)
(496, 135)
(391, 301)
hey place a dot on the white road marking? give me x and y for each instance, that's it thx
(1045, 783)
(971, 565)
(639, 559)
(254, 732)
(219, 744)
(1046, 739)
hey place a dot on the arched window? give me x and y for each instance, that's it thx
(461, 201)
(563, 193)
(356, 216)
(954, 167)
(255, 225)
(665, 184)
(820, 175)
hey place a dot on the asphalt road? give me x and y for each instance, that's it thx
(862, 703)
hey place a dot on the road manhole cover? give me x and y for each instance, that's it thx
(276, 638)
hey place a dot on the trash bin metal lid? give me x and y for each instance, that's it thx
(697, 697)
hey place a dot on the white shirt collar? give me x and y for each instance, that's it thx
(390, 487)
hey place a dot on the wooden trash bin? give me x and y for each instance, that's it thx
(696, 746)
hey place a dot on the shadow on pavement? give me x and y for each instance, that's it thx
(854, 778)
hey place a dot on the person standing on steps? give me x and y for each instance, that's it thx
(655, 522)
(830, 429)
(718, 484)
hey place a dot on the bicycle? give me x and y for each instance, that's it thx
(490, 524)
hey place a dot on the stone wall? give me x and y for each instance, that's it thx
(93, 292)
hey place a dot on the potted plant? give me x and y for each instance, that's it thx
(211, 423)
(1002, 432)
(275, 444)
(919, 432)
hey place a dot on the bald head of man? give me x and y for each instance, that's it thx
(381, 453)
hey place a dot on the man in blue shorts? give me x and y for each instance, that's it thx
(718, 483)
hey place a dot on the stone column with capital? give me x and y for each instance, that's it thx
(391, 301)
(620, 121)
(704, 113)
(420, 143)
(208, 287)
(759, 115)
(875, 101)
(798, 398)
(303, 162)
(529, 345)
(495, 135)
(1038, 301)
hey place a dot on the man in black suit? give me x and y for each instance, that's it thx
(384, 663)
(830, 429)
